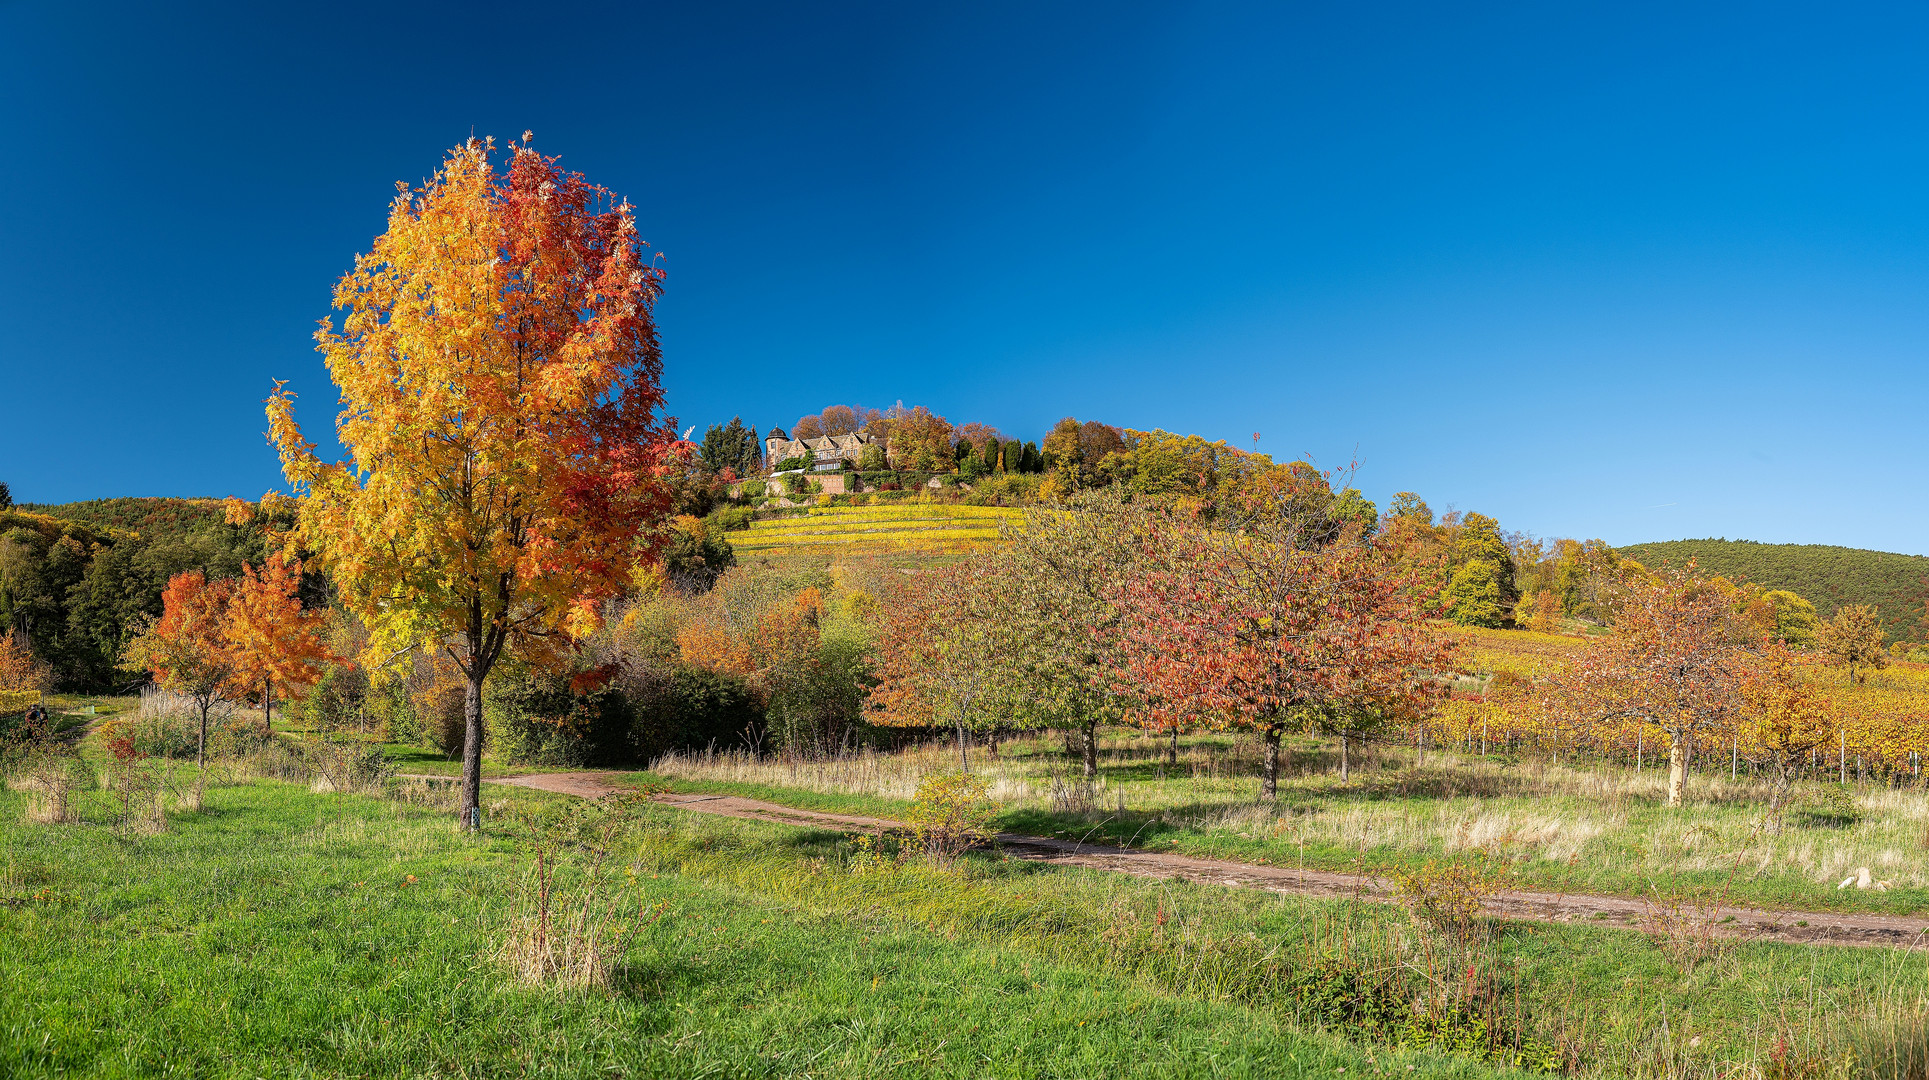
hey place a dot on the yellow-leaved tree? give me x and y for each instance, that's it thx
(499, 378)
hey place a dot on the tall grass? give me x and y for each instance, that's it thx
(1565, 826)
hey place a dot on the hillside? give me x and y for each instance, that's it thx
(1827, 576)
(162, 518)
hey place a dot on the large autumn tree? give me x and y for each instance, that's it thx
(498, 371)
(1054, 601)
(944, 656)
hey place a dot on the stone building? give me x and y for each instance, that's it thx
(828, 453)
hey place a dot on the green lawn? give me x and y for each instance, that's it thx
(284, 933)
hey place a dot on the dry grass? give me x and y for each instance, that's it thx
(1443, 804)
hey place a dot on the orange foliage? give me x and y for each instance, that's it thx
(272, 638)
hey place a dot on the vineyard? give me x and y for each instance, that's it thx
(933, 529)
(1881, 722)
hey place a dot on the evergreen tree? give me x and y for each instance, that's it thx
(730, 446)
(1034, 461)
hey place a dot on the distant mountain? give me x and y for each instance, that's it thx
(1828, 577)
(154, 518)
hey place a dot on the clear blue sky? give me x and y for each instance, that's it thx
(1596, 270)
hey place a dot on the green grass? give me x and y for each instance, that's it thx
(277, 933)
(1601, 831)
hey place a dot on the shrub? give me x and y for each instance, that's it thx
(695, 561)
(1831, 808)
(731, 519)
(388, 703)
(1447, 897)
(536, 718)
(337, 701)
(691, 709)
(951, 812)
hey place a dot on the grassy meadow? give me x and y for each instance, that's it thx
(1562, 828)
(282, 931)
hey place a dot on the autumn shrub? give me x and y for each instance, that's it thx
(338, 701)
(538, 718)
(950, 813)
(138, 784)
(1683, 927)
(1447, 897)
(690, 708)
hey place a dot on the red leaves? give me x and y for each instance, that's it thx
(1250, 629)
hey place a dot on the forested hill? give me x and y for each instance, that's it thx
(1827, 576)
(153, 518)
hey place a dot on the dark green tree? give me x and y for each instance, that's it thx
(730, 446)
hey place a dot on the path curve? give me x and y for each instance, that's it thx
(1802, 927)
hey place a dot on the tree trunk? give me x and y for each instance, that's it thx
(1172, 750)
(472, 748)
(267, 707)
(1343, 756)
(201, 745)
(964, 757)
(1090, 748)
(1269, 780)
(1677, 768)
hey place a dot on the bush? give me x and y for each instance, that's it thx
(731, 519)
(692, 709)
(337, 701)
(952, 811)
(694, 562)
(1448, 897)
(536, 718)
(389, 705)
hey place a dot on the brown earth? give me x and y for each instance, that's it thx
(1806, 927)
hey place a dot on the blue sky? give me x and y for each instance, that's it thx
(1596, 270)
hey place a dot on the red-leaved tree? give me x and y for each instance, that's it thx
(1260, 628)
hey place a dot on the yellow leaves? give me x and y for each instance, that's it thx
(485, 492)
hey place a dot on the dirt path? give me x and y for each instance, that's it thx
(1807, 927)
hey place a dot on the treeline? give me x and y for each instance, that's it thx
(1829, 577)
(78, 581)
